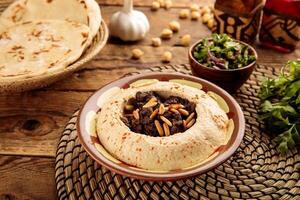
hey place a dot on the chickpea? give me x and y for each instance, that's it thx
(166, 57)
(155, 5)
(166, 33)
(205, 9)
(137, 53)
(211, 23)
(174, 26)
(185, 40)
(194, 7)
(162, 3)
(168, 4)
(184, 13)
(195, 15)
(156, 42)
(205, 18)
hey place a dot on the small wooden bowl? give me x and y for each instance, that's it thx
(88, 136)
(231, 79)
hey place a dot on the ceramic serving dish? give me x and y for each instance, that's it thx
(88, 137)
(228, 79)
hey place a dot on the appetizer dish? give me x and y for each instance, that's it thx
(160, 126)
(222, 52)
(223, 61)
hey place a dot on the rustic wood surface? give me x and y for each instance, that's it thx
(31, 123)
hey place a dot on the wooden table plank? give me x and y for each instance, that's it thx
(27, 178)
(32, 125)
(137, 3)
(30, 133)
(176, 3)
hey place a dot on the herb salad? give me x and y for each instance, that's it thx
(280, 108)
(219, 51)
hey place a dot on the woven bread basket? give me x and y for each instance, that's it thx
(25, 84)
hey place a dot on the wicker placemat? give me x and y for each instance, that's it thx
(255, 171)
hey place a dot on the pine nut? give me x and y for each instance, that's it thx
(159, 128)
(161, 109)
(166, 120)
(190, 123)
(129, 107)
(136, 114)
(166, 129)
(174, 110)
(183, 111)
(176, 106)
(151, 103)
(154, 113)
(190, 117)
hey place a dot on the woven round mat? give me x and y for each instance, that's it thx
(255, 171)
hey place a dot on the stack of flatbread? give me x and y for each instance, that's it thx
(41, 36)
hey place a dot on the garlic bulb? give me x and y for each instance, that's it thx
(129, 24)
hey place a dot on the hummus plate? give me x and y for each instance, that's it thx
(87, 130)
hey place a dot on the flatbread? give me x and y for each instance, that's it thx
(81, 11)
(33, 48)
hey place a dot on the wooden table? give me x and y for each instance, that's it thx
(31, 123)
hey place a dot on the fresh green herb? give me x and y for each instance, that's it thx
(280, 108)
(222, 52)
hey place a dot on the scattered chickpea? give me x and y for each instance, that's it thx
(205, 9)
(155, 5)
(174, 26)
(195, 15)
(205, 18)
(137, 53)
(156, 42)
(184, 13)
(166, 57)
(162, 3)
(166, 33)
(210, 23)
(168, 4)
(194, 7)
(185, 40)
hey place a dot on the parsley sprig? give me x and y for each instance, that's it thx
(220, 51)
(280, 108)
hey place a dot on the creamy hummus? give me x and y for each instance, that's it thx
(178, 151)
